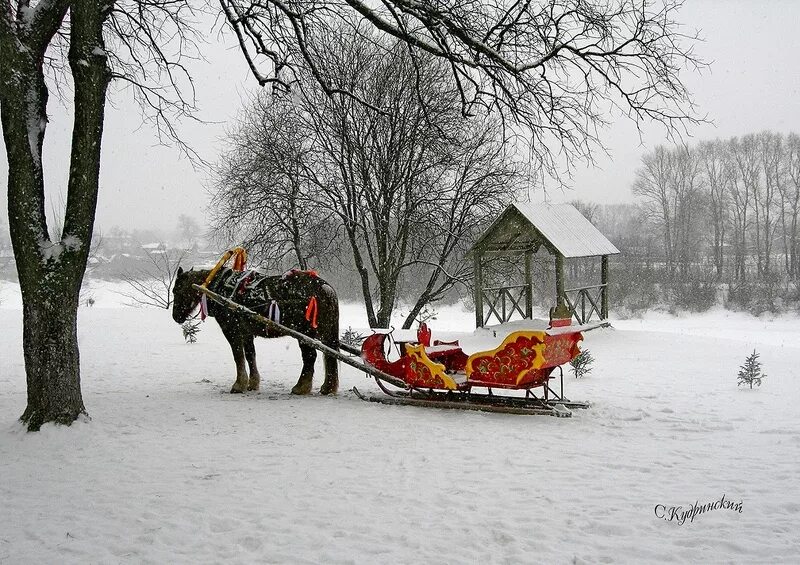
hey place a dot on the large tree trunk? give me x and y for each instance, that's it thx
(51, 272)
(52, 362)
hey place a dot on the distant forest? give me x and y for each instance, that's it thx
(716, 223)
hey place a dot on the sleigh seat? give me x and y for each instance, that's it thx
(524, 360)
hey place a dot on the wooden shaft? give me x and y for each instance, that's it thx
(315, 343)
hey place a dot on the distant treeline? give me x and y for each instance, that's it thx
(717, 221)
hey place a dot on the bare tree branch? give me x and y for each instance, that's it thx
(552, 67)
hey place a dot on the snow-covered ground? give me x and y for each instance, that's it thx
(173, 469)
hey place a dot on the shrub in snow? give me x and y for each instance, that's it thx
(757, 297)
(750, 372)
(581, 364)
(637, 291)
(696, 292)
(190, 330)
(352, 338)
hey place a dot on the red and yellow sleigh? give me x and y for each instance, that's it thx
(442, 374)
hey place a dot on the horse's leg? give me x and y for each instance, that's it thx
(250, 355)
(306, 379)
(331, 384)
(234, 338)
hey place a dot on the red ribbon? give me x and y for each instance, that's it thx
(311, 312)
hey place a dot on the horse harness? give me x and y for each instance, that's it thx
(264, 293)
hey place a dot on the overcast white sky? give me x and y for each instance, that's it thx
(753, 84)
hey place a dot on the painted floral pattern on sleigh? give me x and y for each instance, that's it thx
(524, 360)
(422, 372)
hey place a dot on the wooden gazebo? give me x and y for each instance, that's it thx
(524, 229)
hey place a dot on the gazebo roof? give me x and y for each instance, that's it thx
(560, 227)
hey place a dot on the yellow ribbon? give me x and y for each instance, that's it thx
(240, 258)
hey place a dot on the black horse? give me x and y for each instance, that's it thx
(299, 300)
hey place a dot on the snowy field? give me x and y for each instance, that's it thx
(173, 469)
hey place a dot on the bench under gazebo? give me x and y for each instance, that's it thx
(524, 231)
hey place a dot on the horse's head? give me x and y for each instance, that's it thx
(185, 297)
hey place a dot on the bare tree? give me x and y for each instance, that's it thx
(670, 184)
(151, 284)
(771, 149)
(188, 230)
(687, 202)
(263, 195)
(745, 161)
(652, 183)
(790, 205)
(718, 177)
(406, 188)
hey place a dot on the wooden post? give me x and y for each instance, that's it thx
(560, 280)
(604, 281)
(528, 286)
(478, 288)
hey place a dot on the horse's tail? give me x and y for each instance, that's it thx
(329, 308)
(328, 333)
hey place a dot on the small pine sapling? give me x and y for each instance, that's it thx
(581, 364)
(190, 330)
(352, 338)
(750, 372)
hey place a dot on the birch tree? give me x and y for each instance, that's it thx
(718, 176)
(746, 165)
(770, 148)
(652, 183)
(790, 204)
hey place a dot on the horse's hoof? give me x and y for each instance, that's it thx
(301, 389)
(328, 389)
(235, 390)
(253, 386)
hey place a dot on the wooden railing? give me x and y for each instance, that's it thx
(587, 301)
(503, 301)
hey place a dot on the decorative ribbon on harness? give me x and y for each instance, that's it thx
(239, 255)
(239, 259)
(274, 312)
(311, 311)
(203, 308)
(294, 272)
